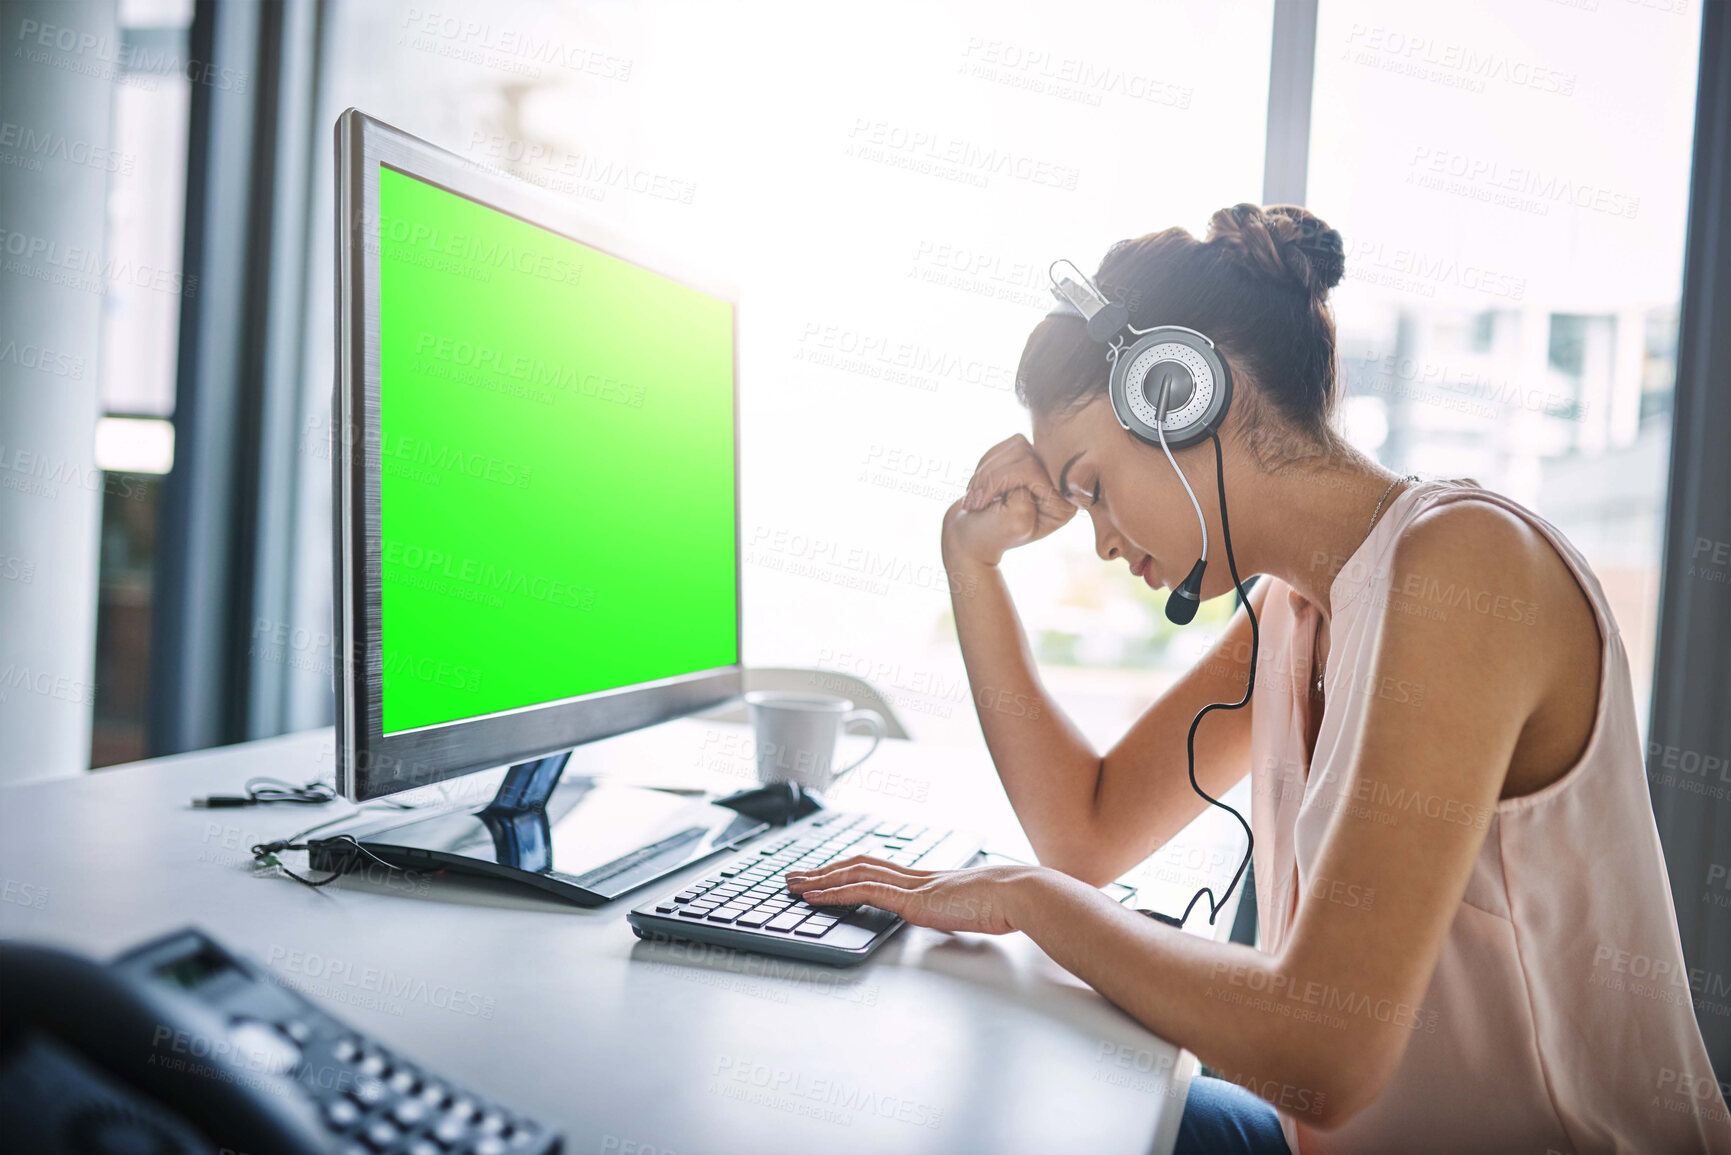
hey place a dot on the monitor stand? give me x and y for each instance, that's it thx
(585, 840)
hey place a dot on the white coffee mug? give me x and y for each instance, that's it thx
(797, 734)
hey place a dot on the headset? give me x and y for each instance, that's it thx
(1170, 387)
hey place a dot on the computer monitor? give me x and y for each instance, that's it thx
(536, 489)
(536, 502)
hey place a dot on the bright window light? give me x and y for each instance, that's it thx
(134, 445)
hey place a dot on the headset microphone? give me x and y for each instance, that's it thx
(1170, 387)
(1181, 603)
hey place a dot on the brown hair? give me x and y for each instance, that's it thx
(1257, 286)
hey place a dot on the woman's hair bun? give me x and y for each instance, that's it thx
(1283, 242)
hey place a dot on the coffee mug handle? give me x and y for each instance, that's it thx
(871, 718)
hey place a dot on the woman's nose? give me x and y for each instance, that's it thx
(1105, 542)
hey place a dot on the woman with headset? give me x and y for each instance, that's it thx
(1439, 715)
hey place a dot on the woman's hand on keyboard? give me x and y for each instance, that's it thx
(978, 899)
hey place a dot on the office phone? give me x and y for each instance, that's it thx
(181, 1046)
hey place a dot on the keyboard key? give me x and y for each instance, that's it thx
(693, 912)
(785, 921)
(666, 907)
(725, 914)
(340, 1113)
(409, 1112)
(368, 1092)
(381, 1136)
(811, 929)
(730, 871)
(755, 918)
(685, 895)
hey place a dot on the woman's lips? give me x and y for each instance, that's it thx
(1144, 569)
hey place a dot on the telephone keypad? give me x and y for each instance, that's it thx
(369, 1100)
(390, 1107)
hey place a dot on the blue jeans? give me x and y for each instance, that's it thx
(1222, 1118)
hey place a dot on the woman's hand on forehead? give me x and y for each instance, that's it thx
(1011, 501)
(1010, 465)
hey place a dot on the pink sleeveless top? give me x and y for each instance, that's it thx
(1559, 1019)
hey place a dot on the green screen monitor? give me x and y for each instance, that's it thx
(536, 488)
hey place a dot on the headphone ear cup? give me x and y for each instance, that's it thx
(1137, 382)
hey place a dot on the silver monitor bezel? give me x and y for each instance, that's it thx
(370, 763)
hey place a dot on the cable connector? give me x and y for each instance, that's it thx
(223, 801)
(262, 790)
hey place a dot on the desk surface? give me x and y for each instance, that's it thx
(939, 1043)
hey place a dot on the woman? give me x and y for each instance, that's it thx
(1442, 715)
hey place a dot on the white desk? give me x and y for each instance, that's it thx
(939, 1043)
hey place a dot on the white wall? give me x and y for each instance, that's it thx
(56, 102)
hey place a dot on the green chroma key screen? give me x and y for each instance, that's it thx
(557, 465)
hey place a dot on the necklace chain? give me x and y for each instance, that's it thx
(1375, 513)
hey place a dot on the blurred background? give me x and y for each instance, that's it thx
(1511, 178)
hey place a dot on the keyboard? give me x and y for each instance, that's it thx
(746, 904)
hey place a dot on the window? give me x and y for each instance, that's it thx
(142, 289)
(1512, 183)
(900, 234)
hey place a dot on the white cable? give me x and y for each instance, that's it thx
(1160, 428)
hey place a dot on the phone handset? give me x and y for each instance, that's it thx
(181, 1054)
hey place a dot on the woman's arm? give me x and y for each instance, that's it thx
(1327, 1020)
(1089, 816)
